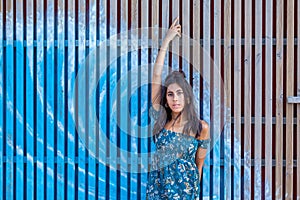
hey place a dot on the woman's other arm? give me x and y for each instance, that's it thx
(201, 153)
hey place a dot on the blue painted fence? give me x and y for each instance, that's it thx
(75, 100)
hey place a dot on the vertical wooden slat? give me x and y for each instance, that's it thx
(139, 99)
(195, 54)
(258, 100)
(134, 96)
(247, 97)
(41, 72)
(1, 101)
(123, 102)
(290, 107)
(112, 82)
(10, 89)
(206, 90)
(117, 106)
(215, 130)
(122, 98)
(82, 189)
(155, 26)
(185, 39)
(50, 95)
(70, 84)
(155, 44)
(102, 186)
(279, 100)
(268, 99)
(19, 101)
(60, 77)
(298, 106)
(175, 44)
(91, 143)
(227, 101)
(129, 67)
(143, 93)
(29, 102)
(237, 100)
(165, 25)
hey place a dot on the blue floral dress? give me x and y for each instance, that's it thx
(174, 174)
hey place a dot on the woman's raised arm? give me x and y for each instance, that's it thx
(174, 30)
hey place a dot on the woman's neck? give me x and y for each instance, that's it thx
(178, 118)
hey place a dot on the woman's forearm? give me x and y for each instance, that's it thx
(156, 77)
(158, 66)
(174, 30)
(199, 164)
(200, 172)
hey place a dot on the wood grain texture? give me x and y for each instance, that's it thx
(237, 99)
(227, 101)
(289, 107)
(247, 96)
(268, 100)
(279, 101)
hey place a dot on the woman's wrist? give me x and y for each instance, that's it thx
(164, 45)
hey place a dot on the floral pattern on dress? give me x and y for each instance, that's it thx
(174, 174)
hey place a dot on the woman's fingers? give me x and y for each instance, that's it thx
(178, 29)
(174, 22)
(175, 29)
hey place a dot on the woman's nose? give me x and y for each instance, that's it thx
(175, 97)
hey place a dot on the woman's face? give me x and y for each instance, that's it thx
(175, 98)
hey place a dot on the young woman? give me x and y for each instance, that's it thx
(180, 137)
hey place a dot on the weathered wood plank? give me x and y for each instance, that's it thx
(293, 100)
(268, 100)
(9, 103)
(206, 191)
(20, 121)
(125, 132)
(279, 100)
(216, 93)
(1, 98)
(237, 100)
(258, 101)
(227, 101)
(298, 106)
(134, 97)
(247, 97)
(175, 43)
(289, 107)
(60, 98)
(71, 79)
(196, 51)
(185, 39)
(103, 59)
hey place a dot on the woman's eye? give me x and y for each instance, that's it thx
(169, 95)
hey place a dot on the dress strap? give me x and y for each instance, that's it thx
(203, 143)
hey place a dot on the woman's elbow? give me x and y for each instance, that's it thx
(205, 131)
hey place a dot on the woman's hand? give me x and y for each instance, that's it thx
(174, 30)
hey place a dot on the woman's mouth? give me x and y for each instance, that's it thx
(176, 105)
